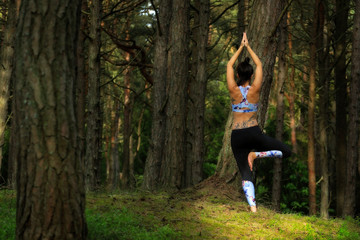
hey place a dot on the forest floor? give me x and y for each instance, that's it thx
(212, 210)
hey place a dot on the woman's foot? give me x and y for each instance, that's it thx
(251, 158)
(253, 209)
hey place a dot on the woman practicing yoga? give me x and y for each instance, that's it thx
(247, 140)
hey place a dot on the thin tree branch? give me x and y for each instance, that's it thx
(223, 12)
(157, 17)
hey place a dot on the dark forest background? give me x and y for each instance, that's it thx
(132, 94)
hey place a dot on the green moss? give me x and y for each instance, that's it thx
(190, 214)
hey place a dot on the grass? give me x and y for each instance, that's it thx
(191, 214)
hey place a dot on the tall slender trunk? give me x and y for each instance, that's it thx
(93, 137)
(323, 62)
(156, 151)
(311, 113)
(173, 166)
(6, 56)
(126, 177)
(50, 176)
(354, 109)
(291, 95)
(114, 169)
(242, 17)
(341, 25)
(197, 91)
(276, 187)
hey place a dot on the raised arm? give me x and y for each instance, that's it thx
(256, 85)
(232, 86)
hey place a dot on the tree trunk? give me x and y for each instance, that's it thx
(341, 25)
(80, 86)
(291, 95)
(276, 187)
(311, 113)
(126, 178)
(197, 91)
(262, 34)
(323, 62)
(242, 18)
(354, 109)
(93, 137)
(173, 166)
(50, 180)
(114, 169)
(6, 54)
(156, 150)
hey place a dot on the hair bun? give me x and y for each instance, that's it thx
(247, 60)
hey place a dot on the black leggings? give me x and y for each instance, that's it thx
(246, 140)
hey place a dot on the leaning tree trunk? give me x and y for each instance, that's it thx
(50, 180)
(6, 56)
(93, 129)
(276, 187)
(173, 165)
(197, 91)
(156, 150)
(262, 35)
(354, 109)
(342, 9)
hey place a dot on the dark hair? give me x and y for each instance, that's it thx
(244, 71)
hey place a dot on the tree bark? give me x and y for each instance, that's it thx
(173, 166)
(127, 180)
(291, 95)
(93, 136)
(197, 91)
(81, 86)
(341, 25)
(276, 187)
(262, 34)
(311, 113)
(6, 56)
(156, 151)
(113, 166)
(242, 18)
(50, 180)
(323, 63)
(354, 109)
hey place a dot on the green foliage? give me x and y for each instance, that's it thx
(5, 155)
(216, 113)
(8, 214)
(209, 169)
(345, 231)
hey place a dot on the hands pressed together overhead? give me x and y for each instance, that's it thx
(244, 41)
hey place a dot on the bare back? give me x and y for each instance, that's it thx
(244, 119)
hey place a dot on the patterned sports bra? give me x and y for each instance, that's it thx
(251, 107)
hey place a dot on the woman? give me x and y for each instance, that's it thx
(246, 136)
